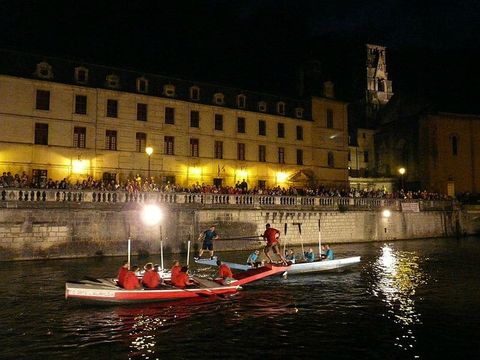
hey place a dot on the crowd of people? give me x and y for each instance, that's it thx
(138, 184)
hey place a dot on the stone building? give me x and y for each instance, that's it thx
(69, 119)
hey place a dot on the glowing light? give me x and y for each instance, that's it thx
(151, 215)
(386, 213)
(79, 166)
(282, 176)
(195, 171)
(242, 173)
(149, 150)
(401, 171)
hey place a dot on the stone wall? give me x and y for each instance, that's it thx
(59, 231)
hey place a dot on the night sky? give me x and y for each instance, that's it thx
(432, 44)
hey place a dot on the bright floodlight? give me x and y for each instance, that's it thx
(151, 215)
(149, 150)
(386, 213)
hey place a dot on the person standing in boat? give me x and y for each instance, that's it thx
(122, 272)
(208, 236)
(272, 235)
(131, 281)
(151, 278)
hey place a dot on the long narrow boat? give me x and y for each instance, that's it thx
(107, 291)
(296, 268)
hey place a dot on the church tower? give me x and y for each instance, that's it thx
(379, 88)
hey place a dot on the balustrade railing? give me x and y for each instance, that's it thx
(317, 202)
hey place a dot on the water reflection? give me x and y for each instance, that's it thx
(398, 275)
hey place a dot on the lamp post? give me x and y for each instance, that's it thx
(149, 151)
(401, 171)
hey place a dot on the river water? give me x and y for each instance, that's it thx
(406, 300)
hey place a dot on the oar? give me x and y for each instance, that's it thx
(285, 242)
(253, 237)
(319, 241)
(301, 238)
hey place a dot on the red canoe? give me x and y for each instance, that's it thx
(106, 290)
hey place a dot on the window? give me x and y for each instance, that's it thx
(241, 101)
(262, 127)
(365, 156)
(140, 142)
(281, 130)
(262, 151)
(113, 81)
(194, 148)
(299, 157)
(169, 145)
(218, 150)
(281, 155)
(41, 134)
(262, 106)
(240, 151)
(219, 122)
(299, 113)
(142, 85)
(281, 108)
(112, 108)
(241, 125)
(79, 136)
(299, 132)
(80, 104)
(194, 119)
(44, 70)
(349, 155)
(330, 118)
(111, 140)
(169, 115)
(195, 93)
(454, 146)
(219, 98)
(142, 112)
(81, 75)
(43, 100)
(331, 162)
(169, 90)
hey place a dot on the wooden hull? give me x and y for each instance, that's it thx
(298, 268)
(106, 291)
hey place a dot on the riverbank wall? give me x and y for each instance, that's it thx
(68, 229)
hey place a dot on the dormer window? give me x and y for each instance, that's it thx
(169, 90)
(219, 98)
(241, 101)
(142, 85)
(194, 93)
(262, 106)
(44, 70)
(81, 75)
(299, 112)
(281, 108)
(113, 81)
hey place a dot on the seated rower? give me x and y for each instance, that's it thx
(181, 280)
(131, 281)
(329, 253)
(253, 259)
(122, 272)
(290, 256)
(224, 272)
(175, 269)
(151, 278)
(310, 255)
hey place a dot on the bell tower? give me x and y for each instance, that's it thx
(379, 88)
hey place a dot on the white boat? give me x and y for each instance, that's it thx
(296, 268)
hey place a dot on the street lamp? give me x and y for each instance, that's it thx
(401, 171)
(149, 151)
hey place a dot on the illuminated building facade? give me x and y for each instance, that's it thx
(66, 119)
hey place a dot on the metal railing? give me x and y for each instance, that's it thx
(232, 200)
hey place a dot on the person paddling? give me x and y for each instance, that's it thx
(131, 281)
(208, 236)
(151, 278)
(224, 271)
(122, 272)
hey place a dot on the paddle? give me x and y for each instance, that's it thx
(252, 237)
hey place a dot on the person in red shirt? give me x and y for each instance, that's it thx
(151, 278)
(272, 235)
(181, 280)
(224, 271)
(131, 281)
(175, 269)
(121, 273)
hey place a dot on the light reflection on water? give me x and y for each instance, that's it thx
(398, 275)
